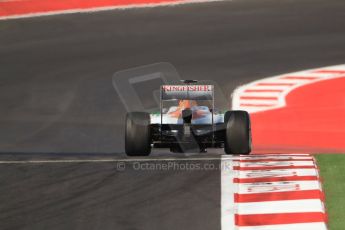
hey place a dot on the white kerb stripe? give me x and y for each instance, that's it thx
(277, 157)
(261, 94)
(276, 163)
(287, 206)
(228, 188)
(302, 226)
(277, 173)
(247, 188)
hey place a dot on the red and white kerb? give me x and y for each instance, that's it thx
(266, 192)
(270, 93)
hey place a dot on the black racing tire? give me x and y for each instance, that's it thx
(138, 134)
(238, 137)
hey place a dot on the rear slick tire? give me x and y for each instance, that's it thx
(238, 138)
(138, 134)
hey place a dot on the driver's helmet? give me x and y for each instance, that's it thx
(186, 104)
(182, 104)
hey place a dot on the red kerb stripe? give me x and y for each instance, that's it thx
(257, 105)
(274, 167)
(274, 179)
(263, 90)
(258, 98)
(281, 154)
(280, 218)
(299, 78)
(276, 196)
(276, 84)
(330, 71)
(8, 8)
(272, 159)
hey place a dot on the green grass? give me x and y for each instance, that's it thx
(332, 170)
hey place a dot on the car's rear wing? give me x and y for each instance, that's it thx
(187, 92)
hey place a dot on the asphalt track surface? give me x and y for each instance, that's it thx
(56, 97)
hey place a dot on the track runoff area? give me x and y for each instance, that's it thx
(261, 191)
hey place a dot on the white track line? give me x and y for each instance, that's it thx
(224, 157)
(108, 8)
(106, 160)
(230, 208)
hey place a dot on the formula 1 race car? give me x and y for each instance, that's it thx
(187, 121)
